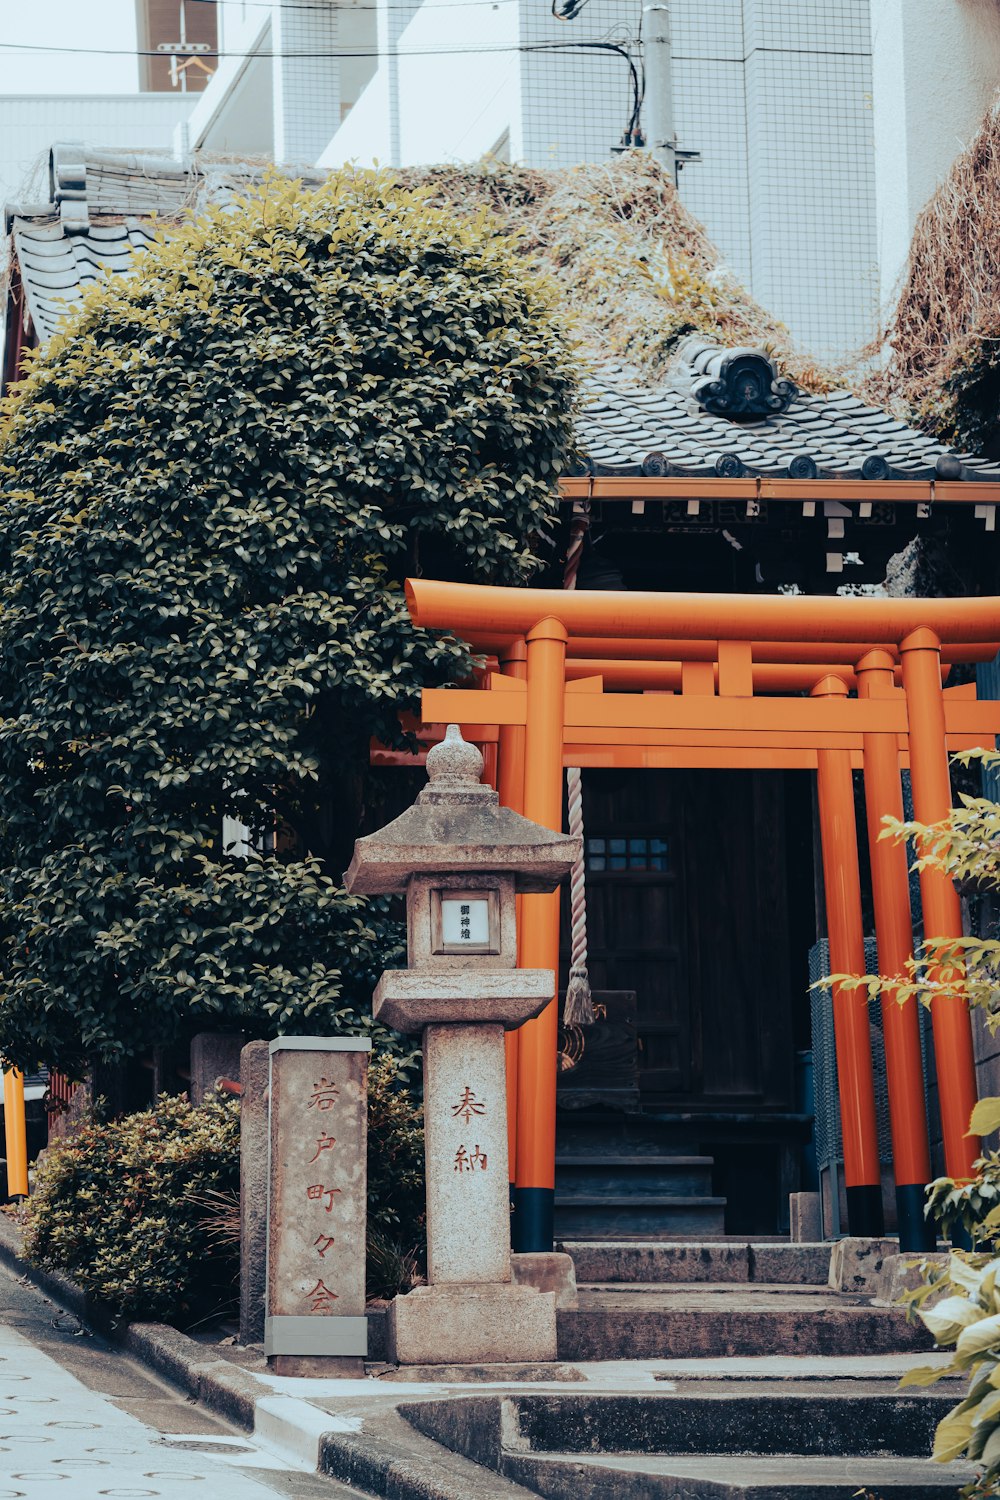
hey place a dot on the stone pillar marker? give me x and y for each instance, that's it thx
(460, 858)
(315, 1320)
(255, 1065)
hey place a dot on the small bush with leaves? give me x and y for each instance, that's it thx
(143, 1212)
(120, 1209)
(396, 1192)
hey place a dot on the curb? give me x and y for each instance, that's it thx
(389, 1457)
(222, 1387)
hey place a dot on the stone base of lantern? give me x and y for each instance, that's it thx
(463, 1324)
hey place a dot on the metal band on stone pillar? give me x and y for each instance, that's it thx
(845, 931)
(894, 934)
(931, 783)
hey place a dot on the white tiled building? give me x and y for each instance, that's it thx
(29, 123)
(822, 125)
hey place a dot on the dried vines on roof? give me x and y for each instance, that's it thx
(942, 345)
(634, 269)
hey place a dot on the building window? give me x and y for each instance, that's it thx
(626, 854)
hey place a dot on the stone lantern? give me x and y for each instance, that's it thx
(460, 859)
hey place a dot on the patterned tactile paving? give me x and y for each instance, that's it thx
(58, 1437)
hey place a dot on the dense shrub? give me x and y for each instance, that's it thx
(143, 1211)
(396, 1163)
(119, 1209)
(211, 485)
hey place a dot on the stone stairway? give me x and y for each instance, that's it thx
(720, 1299)
(721, 1370)
(626, 1178)
(724, 1369)
(599, 1197)
(738, 1443)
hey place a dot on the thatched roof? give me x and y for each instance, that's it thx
(941, 349)
(684, 374)
(636, 269)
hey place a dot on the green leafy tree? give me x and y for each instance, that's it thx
(211, 484)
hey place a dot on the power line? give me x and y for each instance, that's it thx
(331, 54)
(332, 10)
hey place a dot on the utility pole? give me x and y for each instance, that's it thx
(661, 139)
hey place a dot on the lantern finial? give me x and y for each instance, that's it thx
(454, 761)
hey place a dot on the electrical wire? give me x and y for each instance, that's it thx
(333, 10)
(571, 9)
(332, 54)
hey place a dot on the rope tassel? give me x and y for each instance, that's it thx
(579, 1008)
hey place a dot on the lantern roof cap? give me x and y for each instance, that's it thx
(457, 824)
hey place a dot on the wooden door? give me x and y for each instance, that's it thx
(687, 906)
(635, 863)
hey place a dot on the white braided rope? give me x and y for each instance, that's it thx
(578, 1009)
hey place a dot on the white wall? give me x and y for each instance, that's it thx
(810, 156)
(935, 69)
(31, 123)
(235, 113)
(305, 82)
(365, 137)
(286, 90)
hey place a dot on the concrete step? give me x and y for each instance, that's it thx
(616, 1176)
(723, 1261)
(830, 1422)
(746, 1444)
(710, 1478)
(703, 1322)
(636, 1215)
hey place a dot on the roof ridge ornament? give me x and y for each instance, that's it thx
(736, 383)
(68, 184)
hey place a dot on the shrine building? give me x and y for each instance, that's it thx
(769, 616)
(716, 692)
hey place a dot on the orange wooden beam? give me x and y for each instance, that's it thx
(545, 698)
(461, 607)
(750, 487)
(845, 932)
(894, 934)
(510, 786)
(794, 653)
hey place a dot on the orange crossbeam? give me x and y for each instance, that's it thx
(790, 718)
(790, 653)
(897, 491)
(462, 607)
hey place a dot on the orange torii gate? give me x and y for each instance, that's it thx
(689, 694)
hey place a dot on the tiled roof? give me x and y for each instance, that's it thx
(723, 412)
(56, 267)
(630, 427)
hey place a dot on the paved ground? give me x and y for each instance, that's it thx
(76, 1411)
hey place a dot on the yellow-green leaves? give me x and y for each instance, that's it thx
(985, 1117)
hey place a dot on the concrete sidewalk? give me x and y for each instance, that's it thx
(74, 1409)
(355, 1430)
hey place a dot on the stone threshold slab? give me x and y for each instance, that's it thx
(788, 1477)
